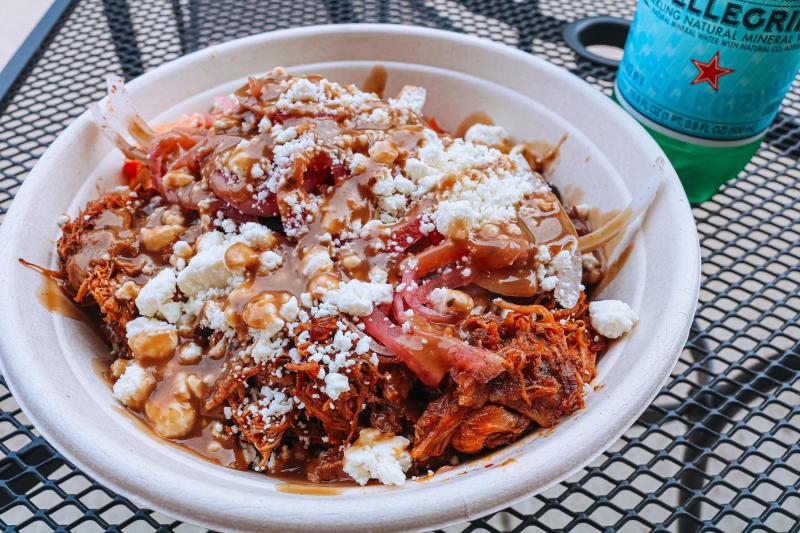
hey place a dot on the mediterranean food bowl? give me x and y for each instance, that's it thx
(47, 357)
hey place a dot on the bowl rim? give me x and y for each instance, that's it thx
(427, 515)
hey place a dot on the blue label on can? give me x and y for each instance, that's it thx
(712, 69)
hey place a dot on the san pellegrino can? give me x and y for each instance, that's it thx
(706, 78)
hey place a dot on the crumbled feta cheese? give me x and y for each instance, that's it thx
(378, 116)
(358, 297)
(206, 270)
(134, 384)
(316, 260)
(270, 261)
(265, 349)
(171, 311)
(254, 235)
(342, 342)
(290, 310)
(589, 262)
(301, 90)
(549, 283)
(335, 385)
(362, 346)
(214, 316)
(488, 135)
(378, 275)
(612, 318)
(228, 225)
(156, 292)
(376, 455)
(410, 98)
(275, 402)
(182, 249)
(286, 135)
(306, 300)
(127, 291)
(489, 196)
(543, 254)
(147, 326)
(560, 274)
(438, 298)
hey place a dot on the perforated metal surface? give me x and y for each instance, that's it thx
(717, 450)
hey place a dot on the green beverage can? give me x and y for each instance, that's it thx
(706, 78)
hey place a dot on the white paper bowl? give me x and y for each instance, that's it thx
(47, 359)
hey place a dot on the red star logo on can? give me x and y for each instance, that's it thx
(710, 72)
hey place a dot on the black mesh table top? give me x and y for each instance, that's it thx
(718, 448)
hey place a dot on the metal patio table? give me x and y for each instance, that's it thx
(718, 448)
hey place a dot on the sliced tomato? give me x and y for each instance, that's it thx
(130, 169)
(434, 257)
(406, 233)
(238, 197)
(232, 213)
(398, 306)
(417, 298)
(432, 124)
(428, 365)
(431, 354)
(418, 267)
(136, 173)
(164, 146)
(226, 104)
(472, 361)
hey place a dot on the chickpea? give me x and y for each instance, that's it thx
(186, 325)
(331, 222)
(383, 152)
(240, 257)
(224, 122)
(240, 162)
(451, 300)
(118, 367)
(190, 353)
(232, 318)
(322, 283)
(489, 231)
(351, 262)
(159, 237)
(177, 178)
(265, 242)
(361, 140)
(134, 392)
(173, 217)
(158, 346)
(196, 386)
(219, 349)
(592, 271)
(514, 230)
(180, 389)
(262, 310)
(172, 420)
(315, 260)
(545, 204)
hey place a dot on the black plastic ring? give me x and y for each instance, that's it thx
(611, 31)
